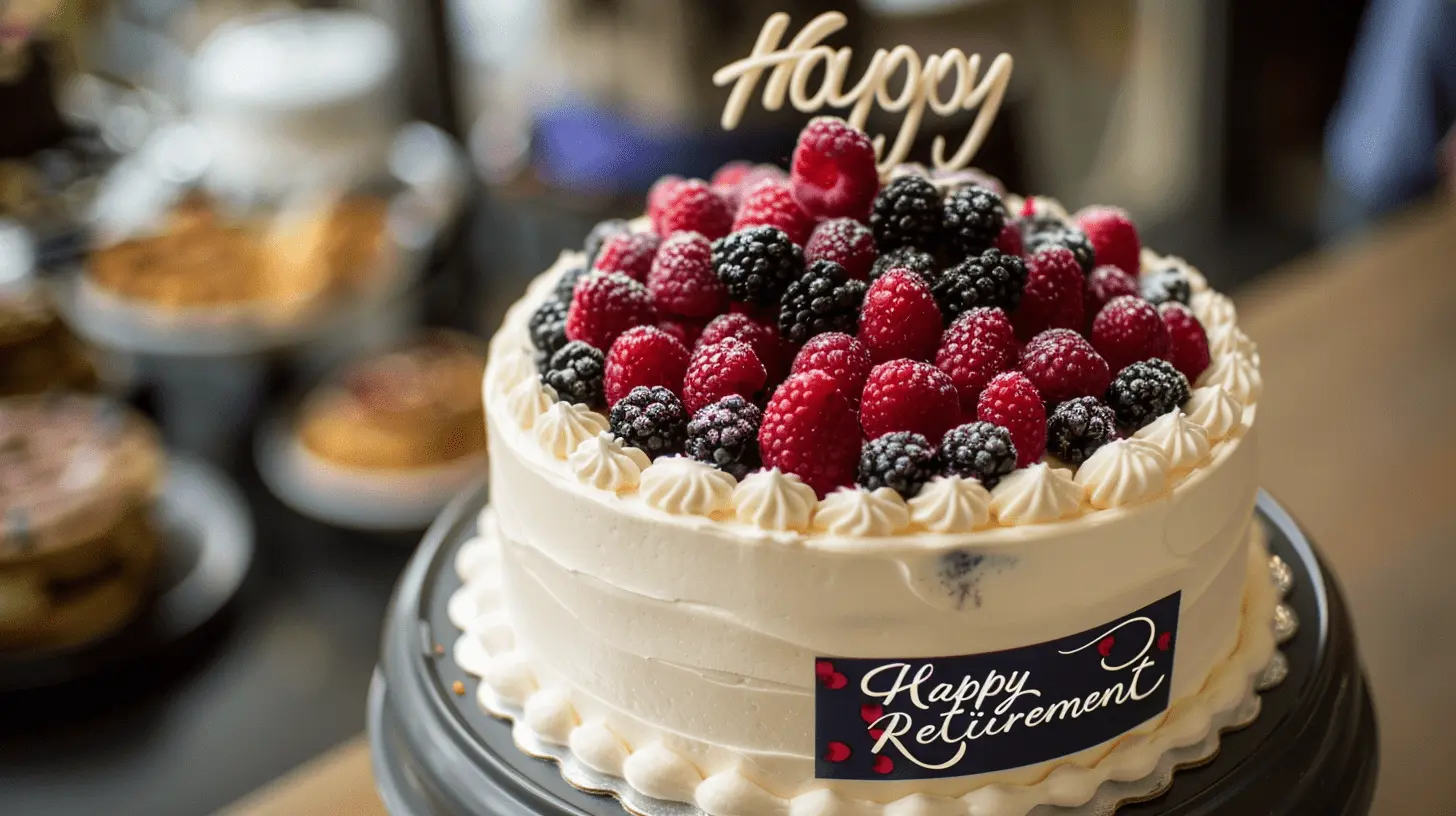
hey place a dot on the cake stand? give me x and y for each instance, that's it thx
(437, 753)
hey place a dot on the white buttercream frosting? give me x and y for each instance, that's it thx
(600, 749)
(658, 771)
(687, 487)
(549, 713)
(1236, 374)
(563, 427)
(1123, 472)
(774, 500)
(606, 464)
(507, 369)
(951, 504)
(854, 511)
(1218, 411)
(1183, 441)
(529, 399)
(1214, 310)
(1036, 494)
(1230, 339)
(1150, 261)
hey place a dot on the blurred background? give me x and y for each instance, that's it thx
(272, 237)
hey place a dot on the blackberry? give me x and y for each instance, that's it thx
(575, 372)
(918, 261)
(652, 419)
(973, 217)
(565, 287)
(1167, 285)
(824, 299)
(548, 330)
(978, 450)
(1078, 427)
(907, 212)
(599, 235)
(1068, 237)
(1142, 392)
(757, 263)
(991, 279)
(902, 461)
(725, 435)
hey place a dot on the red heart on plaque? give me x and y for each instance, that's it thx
(883, 764)
(823, 668)
(1104, 647)
(1164, 641)
(836, 752)
(870, 713)
(837, 680)
(876, 733)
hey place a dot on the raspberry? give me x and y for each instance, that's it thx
(1078, 427)
(1127, 330)
(757, 263)
(1187, 342)
(978, 450)
(809, 430)
(845, 241)
(902, 461)
(907, 212)
(973, 217)
(833, 173)
(733, 190)
(763, 337)
(1113, 236)
(824, 299)
(1052, 297)
(841, 357)
(692, 206)
(769, 203)
(645, 355)
(605, 306)
(575, 373)
(1010, 241)
(565, 286)
(599, 234)
(1065, 237)
(1104, 284)
(686, 331)
(1063, 365)
(992, 278)
(1012, 401)
(921, 263)
(906, 395)
(1167, 286)
(1144, 391)
(548, 330)
(682, 280)
(658, 195)
(652, 419)
(731, 173)
(630, 253)
(899, 318)
(725, 435)
(977, 346)
(728, 366)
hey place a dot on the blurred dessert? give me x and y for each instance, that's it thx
(78, 546)
(37, 351)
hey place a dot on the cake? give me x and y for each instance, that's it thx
(803, 483)
(37, 351)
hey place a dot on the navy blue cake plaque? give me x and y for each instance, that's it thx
(929, 718)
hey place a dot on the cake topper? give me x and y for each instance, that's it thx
(793, 65)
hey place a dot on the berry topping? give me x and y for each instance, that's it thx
(841, 357)
(630, 253)
(992, 278)
(757, 264)
(1104, 284)
(907, 212)
(952, 180)
(900, 318)
(978, 450)
(1012, 401)
(652, 419)
(565, 286)
(833, 173)
(725, 435)
(772, 351)
(977, 346)
(605, 306)
(1052, 297)
(1009, 240)
(917, 261)
(1078, 427)
(1127, 330)
(731, 173)
(599, 235)
(907, 395)
(1144, 391)
(575, 373)
(1067, 238)
(659, 194)
(809, 430)
(645, 355)
(1167, 285)
(824, 299)
(1187, 342)
(769, 203)
(973, 217)
(845, 241)
(693, 206)
(1113, 236)
(548, 330)
(686, 331)
(902, 461)
(726, 367)
(1063, 365)
(682, 280)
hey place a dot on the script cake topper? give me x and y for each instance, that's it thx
(793, 65)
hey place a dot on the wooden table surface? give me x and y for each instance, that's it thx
(1359, 439)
